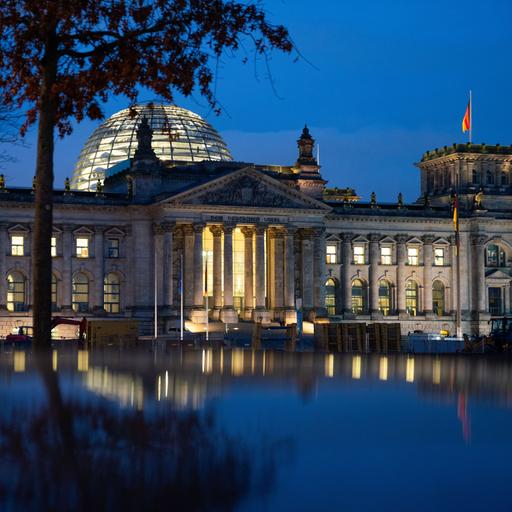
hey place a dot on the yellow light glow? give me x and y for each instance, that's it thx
(436, 371)
(409, 369)
(237, 362)
(159, 388)
(55, 357)
(221, 363)
(207, 361)
(329, 365)
(83, 361)
(166, 384)
(19, 361)
(383, 368)
(356, 367)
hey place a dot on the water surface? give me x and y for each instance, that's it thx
(222, 429)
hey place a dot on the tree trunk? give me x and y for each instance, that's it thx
(43, 223)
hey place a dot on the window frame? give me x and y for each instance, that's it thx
(443, 257)
(410, 258)
(78, 253)
(359, 259)
(331, 258)
(15, 247)
(383, 261)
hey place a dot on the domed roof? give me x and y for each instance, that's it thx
(179, 135)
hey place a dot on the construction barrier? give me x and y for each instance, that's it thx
(103, 332)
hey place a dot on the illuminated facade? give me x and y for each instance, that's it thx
(261, 242)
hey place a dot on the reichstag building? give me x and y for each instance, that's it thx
(157, 205)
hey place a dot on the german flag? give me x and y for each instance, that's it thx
(466, 121)
(456, 213)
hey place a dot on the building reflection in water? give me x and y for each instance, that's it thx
(383, 368)
(329, 365)
(356, 367)
(19, 361)
(409, 370)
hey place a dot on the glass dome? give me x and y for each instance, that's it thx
(179, 135)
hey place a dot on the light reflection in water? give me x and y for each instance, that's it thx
(356, 367)
(409, 370)
(383, 368)
(329, 365)
(207, 358)
(83, 361)
(55, 358)
(237, 362)
(19, 361)
(436, 371)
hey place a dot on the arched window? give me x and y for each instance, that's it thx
(16, 286)
(495, 256)
(112, 293)
(80, 296)
(384, 297)
(411, 298)
(438, 301)
(358, 297)
(54, 292)
(330, 296)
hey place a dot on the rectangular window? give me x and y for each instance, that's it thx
(54, 247)
(412, 256)
(438, 256)
(82, 247)
(359, 255)
(385, 256)
(113, 248)
(331, 254)
(17, 245)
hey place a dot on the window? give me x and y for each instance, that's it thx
(504, 180)
(358, 297)
(113, 248)
(411, 298)
(385, 256)
(17, 245)
(384, 297)
(54, 247)
(16, 292)
(331, 253)
(438, 298)
(495, 301)
(412, 256)
(474, 177)
(495, 256)
(490, 178)
(438, 256)
(359, 258)
(80, 295)
(112, 293)
(54, 293)
(330, 296)
(82, 247)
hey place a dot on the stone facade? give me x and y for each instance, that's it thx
(264, 242)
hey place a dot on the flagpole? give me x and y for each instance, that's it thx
(457, 260)
(470, 117)
(181, 297)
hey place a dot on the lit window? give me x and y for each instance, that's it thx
(385, 256)
(411, 298)
(54, 247)
(17, 243)
(16, 292)
(80, 293)
(359, 254)
(412, 255)
(438, 256)
(113, 247)
(111, 293)
(384, 297)
(82, 247)
(495, 256)
(331, 253)
(54, 293)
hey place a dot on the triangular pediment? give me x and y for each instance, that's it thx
(18, 228)
(114, 232)
(247, 188)
(441, 241)
(498, 275)
(360, 240)
(388, 240)
(83, 231)
(415, 240)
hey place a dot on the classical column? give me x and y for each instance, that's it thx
(319, 273)
(428, 240)
(168, 291)
(400, 272)
(277, 276)
(477, 242)
(307, 269)
(260, 278)
(99, 268)
(374, 273)
(346, 256)
(3, 265)
(289, 276)
(143, 264)
(217, 270)
(198, 265)
(67, 260)
(248, 233)
(228, 313)
(188, 263)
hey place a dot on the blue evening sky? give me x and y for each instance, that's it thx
(385, 81)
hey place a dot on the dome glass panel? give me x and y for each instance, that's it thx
(179, 135)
